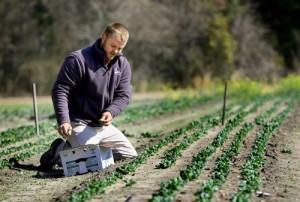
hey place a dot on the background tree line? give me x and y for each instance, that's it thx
(172, 42)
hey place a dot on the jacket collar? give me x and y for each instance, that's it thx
(100, 54)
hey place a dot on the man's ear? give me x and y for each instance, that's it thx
(103, 36)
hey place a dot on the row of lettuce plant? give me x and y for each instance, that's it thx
(14, 149)
(262, 118)
(169, 188)
(222, 167)
(13, 135)
(38, 148)
(250, 173)
(99, 186)
(164, 106)
(13, 112)
(171, 155)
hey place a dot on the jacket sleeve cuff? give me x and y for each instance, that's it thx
(113, 112)
(63, 120)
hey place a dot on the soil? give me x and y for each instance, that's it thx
(280, 174)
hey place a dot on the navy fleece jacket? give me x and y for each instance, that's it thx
(86, 87)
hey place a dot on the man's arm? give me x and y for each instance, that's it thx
(122, 93)
(67, 79)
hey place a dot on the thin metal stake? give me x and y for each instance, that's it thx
(224, 102)
(36, 119)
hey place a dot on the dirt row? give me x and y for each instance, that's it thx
(281, 171)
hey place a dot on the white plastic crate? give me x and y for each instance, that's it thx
(85, 158)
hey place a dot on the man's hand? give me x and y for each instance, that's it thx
(106, 118)
(65, 130)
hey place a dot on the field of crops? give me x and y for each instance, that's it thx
(185, 152)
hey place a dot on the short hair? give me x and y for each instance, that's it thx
(117, 28)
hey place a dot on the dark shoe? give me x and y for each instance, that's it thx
(117, 157)
(48, 160)
(120, 157)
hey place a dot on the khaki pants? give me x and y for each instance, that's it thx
(105, 136)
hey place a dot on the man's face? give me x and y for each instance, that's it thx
(112, 45)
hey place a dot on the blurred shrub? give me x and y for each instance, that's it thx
(41, 71)
(245, 89)
(290, 84)
(254, 57)
(221, 47)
